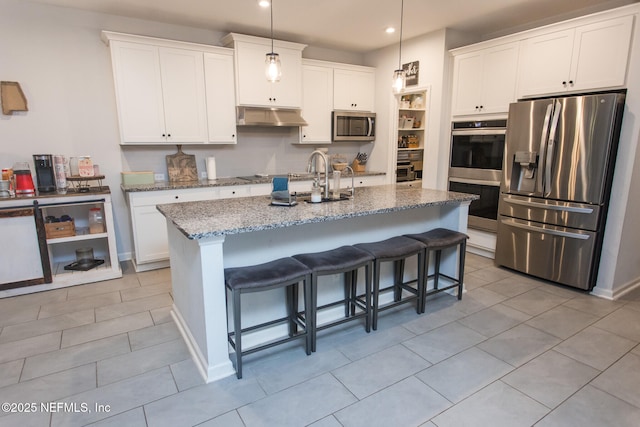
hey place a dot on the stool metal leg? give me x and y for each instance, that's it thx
(437, 268)
(291, 292)
(463, 248)
(313, 310)
(398, 276)
(367, 286)
(426, 279)
(376, 294)
(421, 283)
(237, 329)
(309, 326)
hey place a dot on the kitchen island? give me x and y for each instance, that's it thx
(207, 236)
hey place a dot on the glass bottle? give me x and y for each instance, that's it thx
(316, 193)
(96, 221)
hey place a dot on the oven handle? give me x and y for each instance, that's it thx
(479, 132)
(574, 209)
(475, 181)
(512, 223)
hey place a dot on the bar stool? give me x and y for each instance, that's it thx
(284, 272)
(437, 240)
(347, 260)
(397, 250)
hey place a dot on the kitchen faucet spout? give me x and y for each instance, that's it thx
(312, 157)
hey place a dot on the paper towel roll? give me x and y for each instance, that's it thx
(211, 168)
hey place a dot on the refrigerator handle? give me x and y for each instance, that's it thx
(512, 223)
(562, 208)
(543, 146)
(550, 149)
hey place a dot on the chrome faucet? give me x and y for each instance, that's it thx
(324, 184)
(352, 189)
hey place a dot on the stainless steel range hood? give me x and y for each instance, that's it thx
(265, 116)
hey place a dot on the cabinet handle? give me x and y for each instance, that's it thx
(233, 136)
(163, 135)
(571, 82)
(168, 135)
(564, 83)
(177, 197)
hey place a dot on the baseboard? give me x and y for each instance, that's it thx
(617, 293)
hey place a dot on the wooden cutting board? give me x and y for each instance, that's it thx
(182, 167)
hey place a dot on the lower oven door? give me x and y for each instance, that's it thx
(483, 212)
(560, 254)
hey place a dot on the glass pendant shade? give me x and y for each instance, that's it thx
(273, 68)
(399, 81)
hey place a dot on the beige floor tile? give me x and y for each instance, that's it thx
(91, 289)
(10, 372)
(43, 326)
(79, 304)
(136, 306)
(107, 328)
(153, 335)
(145, 291)
(29, 347)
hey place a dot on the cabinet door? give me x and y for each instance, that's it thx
(183, 95)
(353, 90)
(138, 92)
(251, 84)
(220, 98)
(499, 76)
(467, 83)
(545, 63)
(317, 102)
(150, 234)
(600, 54)
(288, 91)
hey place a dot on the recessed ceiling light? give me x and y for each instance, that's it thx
(264, 3)
(390, 30)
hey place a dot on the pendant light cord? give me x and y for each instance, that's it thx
(271, 8)
(400, 50)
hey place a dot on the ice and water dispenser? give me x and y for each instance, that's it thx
(523, 171)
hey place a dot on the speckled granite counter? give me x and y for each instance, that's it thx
(208, 236)
(225, 182)
(197, 220)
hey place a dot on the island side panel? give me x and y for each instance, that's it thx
(199, 308)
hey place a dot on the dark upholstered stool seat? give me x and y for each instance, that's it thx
(437, 240)
(281, 273)
(264, 275)
(347, 260)
(397, 250)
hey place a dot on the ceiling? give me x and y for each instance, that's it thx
(349, 25)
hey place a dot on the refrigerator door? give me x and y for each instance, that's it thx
(579, 152)
(560, 254)
(525, 145)
(554, 212)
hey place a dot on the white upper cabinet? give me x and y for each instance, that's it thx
(484, 81)
(252, 87)
(592, 56)
(220, 96)
(160, 94)
(354, 89)
(317, 103)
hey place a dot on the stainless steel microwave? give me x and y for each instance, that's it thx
(353, 126)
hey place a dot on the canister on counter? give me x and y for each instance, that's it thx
(96, 221)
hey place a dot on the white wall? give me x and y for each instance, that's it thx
(64, 68)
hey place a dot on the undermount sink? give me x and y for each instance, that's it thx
(306, 197)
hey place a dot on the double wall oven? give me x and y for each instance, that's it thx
(477, 151)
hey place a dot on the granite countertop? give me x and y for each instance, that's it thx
(228, 181)
(198, 220)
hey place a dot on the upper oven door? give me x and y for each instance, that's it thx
(477, 154)
(353, 126)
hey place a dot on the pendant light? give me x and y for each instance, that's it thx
(273, 68)
(399, 75)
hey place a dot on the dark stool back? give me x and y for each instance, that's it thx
(281, 273)
(436, 240)
(396, 250)
(347, 260)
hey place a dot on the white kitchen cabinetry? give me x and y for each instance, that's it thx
(252, 87)
(353, 88)
(150, 228)
(220, 97)
(160, 94)
(587, 57)
(484, 81)
(317, 102)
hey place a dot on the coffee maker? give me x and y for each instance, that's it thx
(45, 175)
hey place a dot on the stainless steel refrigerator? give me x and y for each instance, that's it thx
(558, 167)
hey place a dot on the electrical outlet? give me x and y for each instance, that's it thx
(158, 177)
(203, 174)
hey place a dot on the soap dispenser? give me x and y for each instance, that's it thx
(316, 192)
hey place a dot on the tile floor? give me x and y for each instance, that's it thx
(514, 352)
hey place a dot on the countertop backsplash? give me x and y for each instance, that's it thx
(259, 150)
